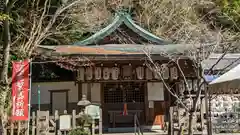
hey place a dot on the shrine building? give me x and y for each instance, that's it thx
(110, 68)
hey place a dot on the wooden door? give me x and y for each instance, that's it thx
(59, 100)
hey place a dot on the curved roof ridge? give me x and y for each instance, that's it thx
(120, 18)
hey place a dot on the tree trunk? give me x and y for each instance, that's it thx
(190, 122)
(5, 62)
(6, 50)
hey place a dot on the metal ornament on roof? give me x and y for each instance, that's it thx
(115, 73)
(140, 72)
(80, 74)
(89, 73)
(174, 73)
(165, 71)
(106, 73)
(98, 73)
(149, 74)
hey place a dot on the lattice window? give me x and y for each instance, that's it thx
(112, 93)
(135, 92)
(124, 92)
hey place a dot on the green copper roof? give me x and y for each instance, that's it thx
(120, 18)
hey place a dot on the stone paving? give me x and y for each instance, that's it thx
(162, 133)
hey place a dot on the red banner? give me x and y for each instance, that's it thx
(20, 87)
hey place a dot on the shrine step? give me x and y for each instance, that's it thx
(121, 130)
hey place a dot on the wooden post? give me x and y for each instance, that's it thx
(37, 124)
(202, 118)
(100, 121)
(178, 116)
(19, 128)
(170, 131)
(135, 125)
(33, 123)
(93, 126)
(26, 126)
(56, 117)
(74, 119)
(12, 128)
(209, 131)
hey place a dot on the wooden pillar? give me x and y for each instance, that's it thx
(79, 94)
(170, 128)
(146, 104)
(89, 87)
(79, 90)
(202, 114)
(33, 123)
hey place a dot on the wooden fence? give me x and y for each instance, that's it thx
(42, 123)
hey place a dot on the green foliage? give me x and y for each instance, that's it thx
(230, 13)
(4, 17)
(78, 132)
(85, 121)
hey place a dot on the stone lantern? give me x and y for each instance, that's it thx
(83, 103)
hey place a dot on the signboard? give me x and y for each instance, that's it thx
(151, 104)
(93, 111)
(155, 91)
(65, 122)
(20, 87)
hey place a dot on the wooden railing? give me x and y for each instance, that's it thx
(137, 127)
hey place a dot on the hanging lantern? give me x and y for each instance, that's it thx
(106, 73)
(115, 73)
(165, 71)
(89, 73)
(98, 73)
(174, 73)
(195, 85)
(181, 87)
(203, 85)
(80, 74)
(140, 72)
(149, 74)
(190, 85)
(158, 70)
(127, 71)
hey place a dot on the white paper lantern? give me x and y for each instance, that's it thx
(158, 70)
(140, 72)
(165, 71)
(195, 85)
(115, 73)
(181, 86)
(174, 73)
(80, 74)
(106, 73)
(190, 85)
(98, 73)
(149, 74)
(89, 73)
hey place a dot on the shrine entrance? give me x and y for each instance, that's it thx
(115, 96)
